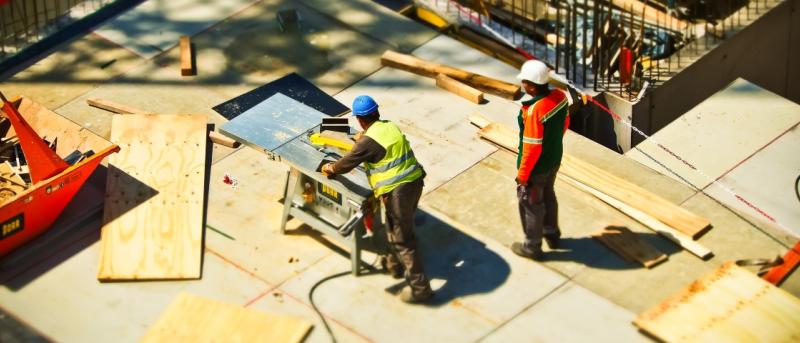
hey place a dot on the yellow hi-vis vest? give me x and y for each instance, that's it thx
(398, 166)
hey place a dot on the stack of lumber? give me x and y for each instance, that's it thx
(658, 214)
(195, 319)
(729, 305)
(468, 83)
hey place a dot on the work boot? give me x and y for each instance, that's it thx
(410, 297)
(521, 250)
(552, 238)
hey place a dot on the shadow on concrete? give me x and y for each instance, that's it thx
(465, 264)
(591, 253)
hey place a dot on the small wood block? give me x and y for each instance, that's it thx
(220, 139)
(191, 318)
(625, 243)
(113, 106)
(186, 56)
(451, 85)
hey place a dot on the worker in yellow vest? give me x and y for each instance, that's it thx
(397, 179)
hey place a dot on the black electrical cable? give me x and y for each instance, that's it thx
(311, 299)
(797, 187)
(319, 283)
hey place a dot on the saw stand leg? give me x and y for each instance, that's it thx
(293, 181)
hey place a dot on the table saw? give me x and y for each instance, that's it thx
(281, 128)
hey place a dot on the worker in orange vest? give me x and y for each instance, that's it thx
(543, 121)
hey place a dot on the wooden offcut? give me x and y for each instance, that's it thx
(186, 56)
(113, 106)
(191, 318)
(630, 247)
(425, 68)
(628, 193)
(729, 305)
(453, 86)
(153, 217)
(649, 222)
(218, 138)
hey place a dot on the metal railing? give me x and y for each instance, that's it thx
(26, 22)
(603, 46)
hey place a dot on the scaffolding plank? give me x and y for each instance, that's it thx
(425, 68)
(153, 217)
(453, 86)
(191, 318)
(729, 305)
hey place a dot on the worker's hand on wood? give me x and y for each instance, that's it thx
(327, 170)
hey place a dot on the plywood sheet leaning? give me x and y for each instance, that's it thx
(453, 86)
(425, 68)
(636, 197)
(195, 319)
(625, 243)
(729, 305)
(153, 218)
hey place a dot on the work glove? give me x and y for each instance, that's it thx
(327, 170)
(522, 190)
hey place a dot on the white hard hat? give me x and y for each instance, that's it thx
(534, 71)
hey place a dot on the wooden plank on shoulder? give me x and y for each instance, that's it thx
(730, 304)
(425, 68)
(153, 217)
(191, 318)
(625, 243)
(453, 86)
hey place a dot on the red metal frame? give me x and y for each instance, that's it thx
(55, 183)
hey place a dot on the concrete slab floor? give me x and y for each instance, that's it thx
(71, 71)
(246, 219)
(249, 50)
(155, 26)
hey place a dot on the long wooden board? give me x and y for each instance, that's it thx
(191, 318)
(659, 208)
(425, 68)
(186, 56)
(153, 217)
(625, 243)
(463, 90)
(662, 229)
(729, 305)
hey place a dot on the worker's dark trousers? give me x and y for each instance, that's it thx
(538, 209)
(401, 203)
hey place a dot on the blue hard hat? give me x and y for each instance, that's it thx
(364, 105)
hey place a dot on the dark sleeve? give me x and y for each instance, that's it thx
(365, 150)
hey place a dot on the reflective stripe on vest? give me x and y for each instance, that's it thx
(398, 166)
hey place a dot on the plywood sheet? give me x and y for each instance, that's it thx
(729, 305)
(192, 318)
(153, 218)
